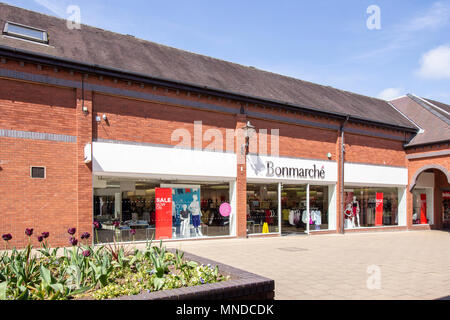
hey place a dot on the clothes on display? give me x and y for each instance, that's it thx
(294, 217)
(185, 219)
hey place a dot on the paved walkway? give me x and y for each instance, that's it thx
(412, 265)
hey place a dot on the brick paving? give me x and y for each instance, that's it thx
(414, 265)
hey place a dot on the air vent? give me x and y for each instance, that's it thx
(38, 172)
(20, 31)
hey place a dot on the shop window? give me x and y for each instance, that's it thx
(422, 206)
(126, 210)
(370, 207)
(262, 208)
(446, 208)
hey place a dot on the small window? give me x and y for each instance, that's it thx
(38, 172)
(24, 32)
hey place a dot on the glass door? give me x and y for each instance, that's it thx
(294, 215)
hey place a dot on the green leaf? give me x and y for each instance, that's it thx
(192, 264)
(3, 288)
(80, 291)
(158, 283)
(24, 296)
(57, 287)
(46, 276)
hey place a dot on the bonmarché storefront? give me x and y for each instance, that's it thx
(290, 195)
(144, 192)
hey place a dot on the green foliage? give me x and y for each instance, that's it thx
(106, 272)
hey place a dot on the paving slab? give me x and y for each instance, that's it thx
(412, 265)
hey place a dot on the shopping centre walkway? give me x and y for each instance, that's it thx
(412, 265)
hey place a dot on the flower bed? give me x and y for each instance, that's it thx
(104, 273)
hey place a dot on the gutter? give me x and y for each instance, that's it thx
(342, 165)
(82, 67)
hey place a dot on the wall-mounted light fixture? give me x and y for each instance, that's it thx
(329, 155)
(85, 110)
(98, 119)
(105, 117)
(249, 130)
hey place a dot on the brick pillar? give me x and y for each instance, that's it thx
(409, 209)
(241, 182)
(409, 200)
(84, 172)
(339, 212)
(439, 179)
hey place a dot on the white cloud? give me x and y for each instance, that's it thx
(435, 64)
(410, 32)
(390, 94)
(437, 16)
(57, 9)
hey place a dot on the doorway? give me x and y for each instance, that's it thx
(294, 200)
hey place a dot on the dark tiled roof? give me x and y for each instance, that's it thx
(436, 124)
(96, 46)
(442, 108)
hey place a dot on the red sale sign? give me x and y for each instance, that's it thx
(163, 214)
(379, 210)
(423, 209)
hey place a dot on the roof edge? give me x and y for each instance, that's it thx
(430, 107)
(35, 57)
(425, 144)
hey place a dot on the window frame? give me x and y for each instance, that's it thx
(7, 32)
(40, 167)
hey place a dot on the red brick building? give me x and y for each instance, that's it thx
(98, 126)
(428, 157)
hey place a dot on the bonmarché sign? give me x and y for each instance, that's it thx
(292, 172)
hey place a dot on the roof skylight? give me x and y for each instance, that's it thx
(25, 32)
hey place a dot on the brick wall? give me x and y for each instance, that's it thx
(37, 108)
(372, 150)
(149, 122)
(64, 199)
(48, 205)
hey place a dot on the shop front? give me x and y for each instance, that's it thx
(290, 196)
(145, 192)
(446, 209)
(374, 196)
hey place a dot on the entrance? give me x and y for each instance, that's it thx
(294, 203)
(431, 200)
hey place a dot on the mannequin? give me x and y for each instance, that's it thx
(349, 217)
(194, 207)
(356, 211)
(185, 219)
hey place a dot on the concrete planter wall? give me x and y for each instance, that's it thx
(243, 285)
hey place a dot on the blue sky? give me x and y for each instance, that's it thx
(326, 42)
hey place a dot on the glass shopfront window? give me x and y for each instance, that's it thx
(294, 208)
(126, 210)
(370, 207)
(262, 208)
(446, 208)
(422, 206)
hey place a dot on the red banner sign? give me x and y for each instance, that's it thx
(446, 195)
(423, 209)
(163, 214)
(379, 210)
